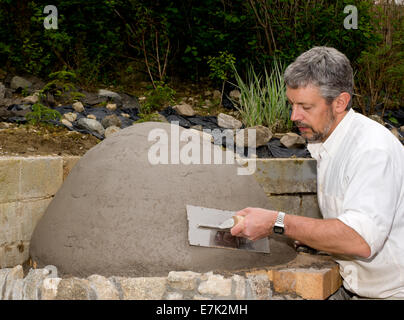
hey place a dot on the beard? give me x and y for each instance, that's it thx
(317, 136)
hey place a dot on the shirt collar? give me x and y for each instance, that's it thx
(331, 145)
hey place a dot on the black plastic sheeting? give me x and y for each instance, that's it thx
(273, 149)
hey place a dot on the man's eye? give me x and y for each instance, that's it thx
(306, 108)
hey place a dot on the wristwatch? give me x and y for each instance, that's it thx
(279, 226)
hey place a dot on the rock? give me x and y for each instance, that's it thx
(70, 116)
(111, 130)
(148, 288)
(31, 99)
(402, 128)
(50, 99)
(293, 140)
(216, 285)
(33, 283)
(2, 91)
(74, 289)
(227, 121)
(67, 123)
(197, 127)
(92, 125)
(376, 118)
(207, 93)
(111, 120)
(49, 288)
(125, 115)
(239, 287)
(13, 275)
(19, 83)
(263, 135)
(184, 110)
(78, 106)
(217, 94)
(91, 116)
(183, 280)
(111, 106)
(109, 94)
(92, 98)
(235, 95)
(395, 132)
(104, 288)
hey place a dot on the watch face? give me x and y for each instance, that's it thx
(278, 229)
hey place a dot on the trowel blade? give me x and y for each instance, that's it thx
(214, 238)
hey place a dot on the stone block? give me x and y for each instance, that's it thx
(31, 212)
(49, 288)
(41, 177)
(216, 285)
(288, 203)
(10, 223)
(174, 296)
(309, 207)
(150, 288)
(280, 176)
(310, 283)
(14, 274)
(12, 254)
(239, 285)
(68, 164)
(103, 288)
(17, 293)
(259, 286)
(182, 280)
(9, 179)
(33, 283)
(74, 289)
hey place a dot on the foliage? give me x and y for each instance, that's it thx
(62, 86)
(263, 99)
(41, 114)
(157, 98)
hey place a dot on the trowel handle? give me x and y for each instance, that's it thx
(237, 219)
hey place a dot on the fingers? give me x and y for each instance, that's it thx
(237, 230)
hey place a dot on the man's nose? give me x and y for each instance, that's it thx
(296, 115)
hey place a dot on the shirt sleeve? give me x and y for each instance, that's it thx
(370, 199)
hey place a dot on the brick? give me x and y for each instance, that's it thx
(308, 283)
(9, 179)
(41, 177)
(150, 288)
(68, 163)
(216, 285)
(182, 280)
(104, 289)
(280, 176)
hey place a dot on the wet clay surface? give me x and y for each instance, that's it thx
(119, 214)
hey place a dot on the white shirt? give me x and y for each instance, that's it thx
(360, 177)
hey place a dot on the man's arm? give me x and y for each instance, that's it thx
(330, 235)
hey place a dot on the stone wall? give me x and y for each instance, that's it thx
(309, 277)
(27, 185)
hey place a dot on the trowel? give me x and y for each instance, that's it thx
(210, 227)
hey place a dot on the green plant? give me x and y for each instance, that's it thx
(148, 117)
(263, 99)
(221, 67)
(157, 98)
(41, 114)
(63, 86)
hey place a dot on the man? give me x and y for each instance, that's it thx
(360, 175)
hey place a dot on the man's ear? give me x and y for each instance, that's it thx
(341, 102)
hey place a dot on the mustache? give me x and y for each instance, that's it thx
(302, 124)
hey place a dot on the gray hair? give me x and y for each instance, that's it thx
(326, 68)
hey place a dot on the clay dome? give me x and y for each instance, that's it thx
(117, 213)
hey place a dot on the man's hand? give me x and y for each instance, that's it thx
(257, 223)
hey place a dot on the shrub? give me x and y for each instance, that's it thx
(42, 114)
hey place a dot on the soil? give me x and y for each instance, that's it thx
(27, 140)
